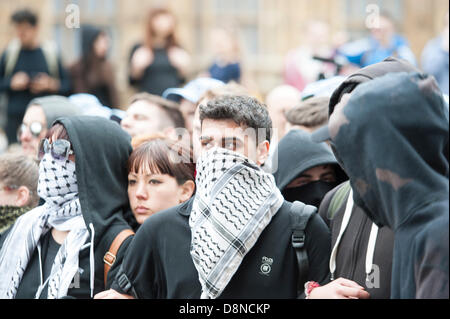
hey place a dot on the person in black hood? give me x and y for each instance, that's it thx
(93, 73)
(390, 137)
(56, 250)
(352, 257)
(306, 170)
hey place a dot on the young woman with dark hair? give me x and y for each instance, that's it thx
(93, 73)
(161, 174)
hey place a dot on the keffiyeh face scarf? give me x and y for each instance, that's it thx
(58, 187)
(234, 202)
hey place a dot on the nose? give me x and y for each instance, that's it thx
(141, 192)
(25, 134)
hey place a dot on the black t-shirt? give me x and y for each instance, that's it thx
(158, 263)
(158, 76)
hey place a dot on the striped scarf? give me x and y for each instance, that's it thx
(58, 186)
(235, 201)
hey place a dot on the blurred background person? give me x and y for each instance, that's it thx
(280, 100)
(158, 62)
(18, 187)
(308, 115)
(39, 117)
(28, 69)
(189, 95)
(93, 73)
(151, 114)
(383, 42)
(435, 58)
(300, 67)
(226, 65)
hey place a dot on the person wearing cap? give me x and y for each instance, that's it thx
(348, 261)
(403, 183)
(189, 95)
(39, 117)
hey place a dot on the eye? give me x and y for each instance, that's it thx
(206, 144)
(154, 182)
(131, 182)
(329, 178)
(230, 146)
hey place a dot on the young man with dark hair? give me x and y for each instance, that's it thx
(233, 238)
(28, 69)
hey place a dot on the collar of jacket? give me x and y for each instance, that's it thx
(185, 208)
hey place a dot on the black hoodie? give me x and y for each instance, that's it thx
(390, 138)
(101, 150)
(351, 255)
(297, 153)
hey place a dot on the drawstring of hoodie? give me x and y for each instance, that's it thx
(91, 259)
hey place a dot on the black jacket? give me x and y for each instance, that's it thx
(158, 263)
(101, 150)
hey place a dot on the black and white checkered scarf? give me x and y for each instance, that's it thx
(234, 202)
(58, 186)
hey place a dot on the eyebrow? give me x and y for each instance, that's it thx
(224, 139)
(321, 175)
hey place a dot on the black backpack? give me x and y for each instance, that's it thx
(300, 214)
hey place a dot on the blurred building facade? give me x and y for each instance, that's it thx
(268, 28)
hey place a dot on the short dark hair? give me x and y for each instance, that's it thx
(311, 113)
(242, 109)
(170, 108)
(25, 16)
(164, 156)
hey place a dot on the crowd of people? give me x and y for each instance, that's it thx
(333, 185)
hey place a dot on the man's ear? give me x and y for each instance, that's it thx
(187, 190)
(262, 152)
(23, 196)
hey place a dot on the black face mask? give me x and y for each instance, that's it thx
(310, 194)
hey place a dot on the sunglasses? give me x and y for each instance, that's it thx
(59, 149)
(35, 129)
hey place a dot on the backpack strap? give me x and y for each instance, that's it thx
(300, 215)
(51, 57)
(12, 54)
(110, 256)
(338, 199)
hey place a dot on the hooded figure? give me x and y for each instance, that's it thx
(390, 138)
(93, 73)
(296, 155)
(361, 251)
(86, 197)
